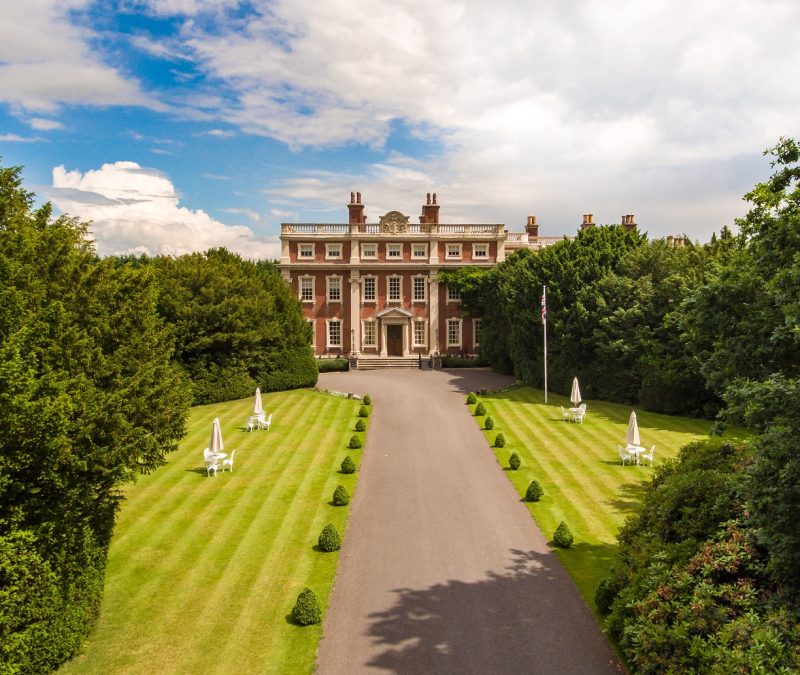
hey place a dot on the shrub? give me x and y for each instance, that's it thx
(480, 409)
(488, 424)
(329, 539)
(290, 368)
(607, 591)
(360, 426)
(355, 442)
(367, 399)
(306, 610)
(471, 398)
(514, 461)
(363, 411)
(348, 465)
(563, 536)
(341, 497)
(499, 440)
(534, 492)
(452, 361)
(333, 365)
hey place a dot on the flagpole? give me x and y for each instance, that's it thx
(544, 325)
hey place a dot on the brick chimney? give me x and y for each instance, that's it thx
(356, 209)
(430, 211)
(628, 223)
(587, 221)
(532, 228)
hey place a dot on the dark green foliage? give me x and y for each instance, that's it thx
(453, 361)
(333, 365)
(499, 440)
(329, 539)
(363, 411)
(488, 424)
(355, 442)
(307, 610)
(472, 399)
(348, 465)
(367, 399)
(360, 425)
(606, 593)
(534, 492)
(480, 409)
(514, 462)
(341, 497)
(562, 536)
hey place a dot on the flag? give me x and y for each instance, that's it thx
(544, 308)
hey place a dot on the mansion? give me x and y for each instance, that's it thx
(373, 290)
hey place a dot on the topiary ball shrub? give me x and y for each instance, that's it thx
(488, 424)
(348, 465)
(355, 442)
(514, 461)
(341, 497)
(480, 410)
(534, 492)
(367, 399)
(329, 539)
(307, 610)
(499, 440)
(360, 426)
(471, 398)
(563, 536)
(363, 411)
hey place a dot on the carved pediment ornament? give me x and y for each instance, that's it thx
(394, 222)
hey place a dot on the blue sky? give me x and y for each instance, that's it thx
(176, 125)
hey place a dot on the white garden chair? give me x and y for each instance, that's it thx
(566, 416)
(252, 422)
(648, 455)
(211, 461)
(624, 455)
(228, 461)
(265, 423)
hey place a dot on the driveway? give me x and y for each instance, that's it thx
(443, 570)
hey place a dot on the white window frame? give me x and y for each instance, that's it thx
(424, 297)
(328, 281)
(452, 256)
(394, 248)
(369, 250)
(447, 328)
(419, 251)
(330, 248)
(419, 323)
(477, 326)
(452, 294)
(479, 256)
(303, 248)
(374, 326)
(328, 325)
(389, 279)
(364, 279)
(304, 278)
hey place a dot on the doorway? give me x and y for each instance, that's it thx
(394, 340)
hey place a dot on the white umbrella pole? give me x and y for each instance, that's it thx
(544, 326)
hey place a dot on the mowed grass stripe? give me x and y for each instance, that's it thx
(231, 553)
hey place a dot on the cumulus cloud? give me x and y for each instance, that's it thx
(16, 138)
(42, 124)
(136, 210)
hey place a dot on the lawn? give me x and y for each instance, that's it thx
(578, 467)
(203, 572)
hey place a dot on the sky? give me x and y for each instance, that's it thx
(179, 125)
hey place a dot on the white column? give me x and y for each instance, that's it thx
(383, 338)
(355, 309)
(407, 338)
(433, 304)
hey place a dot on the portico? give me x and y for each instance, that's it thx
(395, 331)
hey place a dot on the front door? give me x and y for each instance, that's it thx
(394, 340)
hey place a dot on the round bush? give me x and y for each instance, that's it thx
(607, 591)
(480, 409)
(367, 399)
(563, 536)
(329, 539)
(360, 426)
(306, 610)
(355, 442)
(341, 497)
(363, 411)
(348, 465)
(488, 424)
(534, 492)
(514, 461)
(471, 398)
(499, 440)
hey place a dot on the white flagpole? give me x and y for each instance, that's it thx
(544, 325)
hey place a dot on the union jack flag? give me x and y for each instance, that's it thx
(544, 307)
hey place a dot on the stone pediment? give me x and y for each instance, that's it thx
(394, 222)
(394, 313)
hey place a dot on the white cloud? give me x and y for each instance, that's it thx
(42, 124)
(136, 210)
(219, 133)
(15, 138)
(249, 213)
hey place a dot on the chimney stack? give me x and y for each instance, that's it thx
(532, 228)
(430, 211)
(587, 221)
(628, 223)
(356, 210)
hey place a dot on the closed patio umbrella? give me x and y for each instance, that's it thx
(216, 444)
(258, 408)
(575, 396)
(632, 436)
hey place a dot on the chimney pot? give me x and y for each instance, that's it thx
(358, 197)
(352, 197)
(429, 198)
(532, 229)
(434, 197)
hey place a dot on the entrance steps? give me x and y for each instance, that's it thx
(376, 362)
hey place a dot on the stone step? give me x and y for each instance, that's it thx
(391, 362)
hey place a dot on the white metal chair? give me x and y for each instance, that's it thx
(565, 415)
(212, 464)
(624, 455)
(265, 423)
(252, 422)
(648, 455)
(228, 461)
